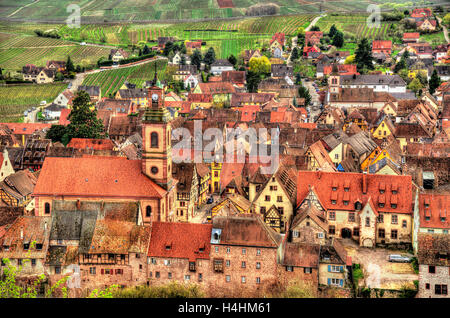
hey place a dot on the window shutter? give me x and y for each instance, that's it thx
(341, 282)
(103, 271)
(329, 280)
(342, 269)
(112, 272)
(329, 268)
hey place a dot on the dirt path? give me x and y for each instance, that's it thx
(22, 8)
(313, 22)
(80, 76)
(444, 30)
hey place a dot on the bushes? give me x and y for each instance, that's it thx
(136, 59)
(171, 290)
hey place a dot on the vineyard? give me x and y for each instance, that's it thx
(17, 50)
(14, 100)
(355, 25)
(100, 11)
(111, 80)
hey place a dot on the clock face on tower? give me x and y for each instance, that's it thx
(155, 97)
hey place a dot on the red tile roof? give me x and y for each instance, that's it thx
(411, 35)
(322, 182)
(278, 37)
(96, 177)
(180, 240)
(434, 206)
(25, 128)
(63, 117)
(382, 44)
(200, 98)
(88, 143)
(344, 69)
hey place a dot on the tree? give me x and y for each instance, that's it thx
(298, 79)
(446, 19)
(253, 80)
(83, 121)
(363, 56)
(183, 60)
(303, 92)
(69, 65)
(295, 54)
(168, 48)
(415, 85)
(196, 58)
(232, 59)
(434, 83)
(338, 39)
(259, 65)
(145, 50)
(56, 133)
(210, 57)
(300, 37)
(59, 76)
(315, 28)
(333, 31)
(402, 63)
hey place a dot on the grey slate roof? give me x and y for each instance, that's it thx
(361, 143)
(391, 80)
(73, 225)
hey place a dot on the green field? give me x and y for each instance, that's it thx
(15, 99)
(17, 50)
(100, 11)
(111, 80)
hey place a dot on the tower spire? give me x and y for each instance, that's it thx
(155, 79)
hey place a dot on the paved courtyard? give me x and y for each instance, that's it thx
(378, 271)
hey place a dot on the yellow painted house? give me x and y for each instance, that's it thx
(365, 164)
(384, 129)
(216, 168)
(279, 191)
(234, 203)
(389, 109)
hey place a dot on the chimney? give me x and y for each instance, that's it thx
(364, 182)
(319, 173)
(78, 205)
(21, 233)
(45, 226)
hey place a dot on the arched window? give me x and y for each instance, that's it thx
(47, 208)
(154, 139)
(148, 211)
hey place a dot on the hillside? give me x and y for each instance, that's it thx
(101, 11)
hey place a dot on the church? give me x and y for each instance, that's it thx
(147, 182)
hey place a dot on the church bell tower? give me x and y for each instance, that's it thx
(156, 135)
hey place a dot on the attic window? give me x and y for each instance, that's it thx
(26, 246)
(394, 188)
(168, 246)
(6, 247)
(382, 187)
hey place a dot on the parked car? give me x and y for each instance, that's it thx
(43, 103)
(70, 85)
(210, 200)
(396, 258)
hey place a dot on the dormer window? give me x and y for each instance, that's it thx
(334, 188)
(381, 205)
(168, 246)
(6, 247)
(333, 201)
(393, 205)
(345, 202)
(26, 246)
